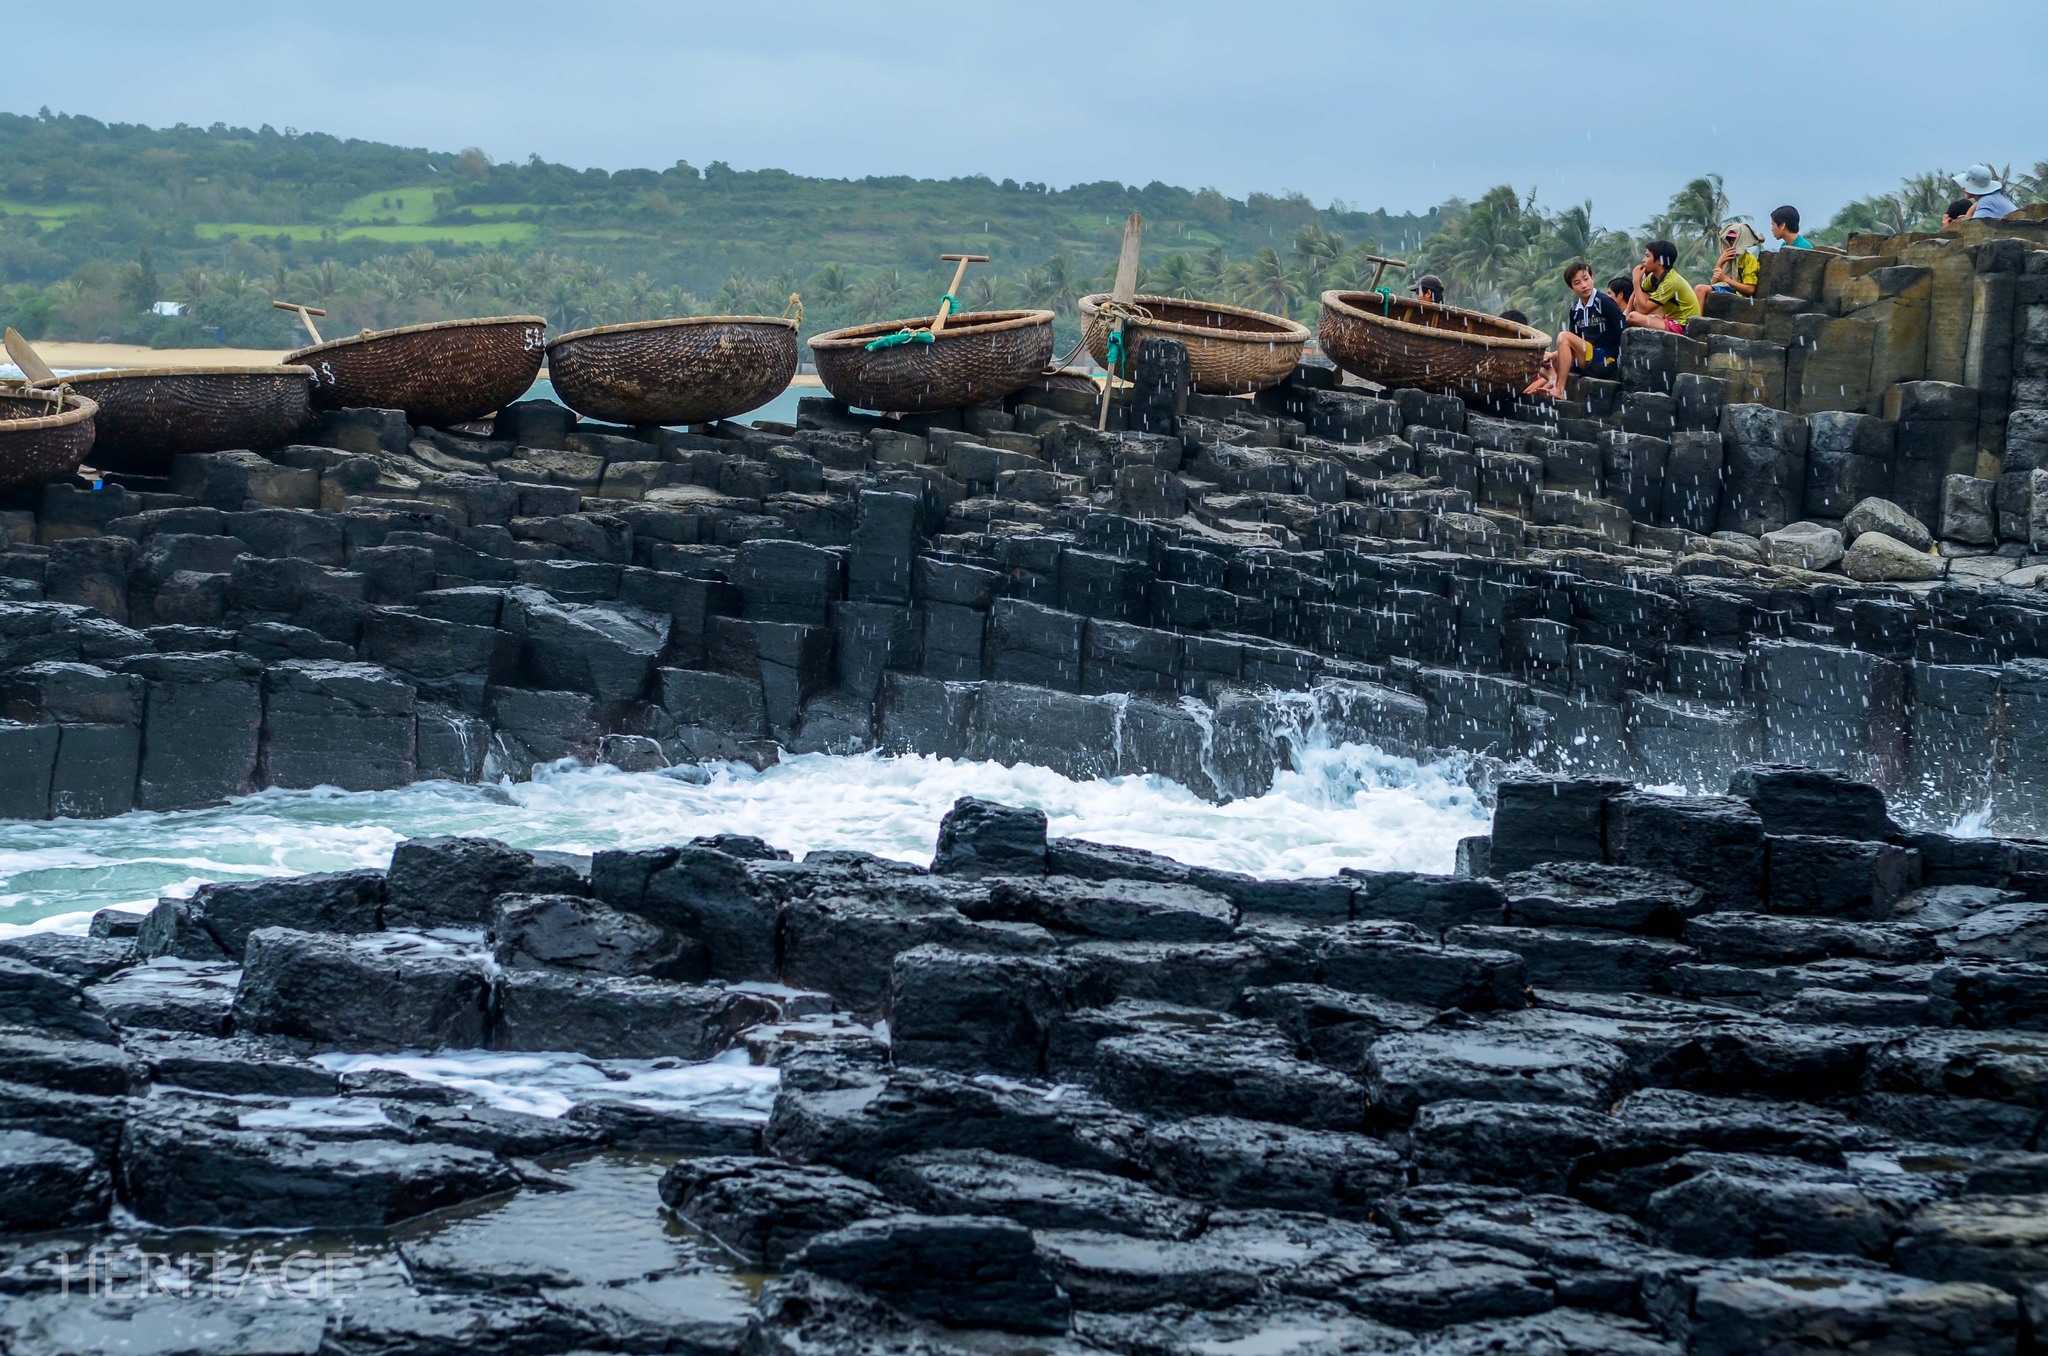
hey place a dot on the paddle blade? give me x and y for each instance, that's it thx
(27, 359)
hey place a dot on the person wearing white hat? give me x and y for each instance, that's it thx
(1987, 190)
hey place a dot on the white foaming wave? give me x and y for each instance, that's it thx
(1346, 806)
(550, 1083)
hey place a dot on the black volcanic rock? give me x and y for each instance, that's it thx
(982, 838)
(961, 1270)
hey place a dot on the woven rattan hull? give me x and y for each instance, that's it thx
(977, 359)
(688, 371)
(1401, 343)
(148, 416)
(445, 373)
(1231, 350)
(37, 447)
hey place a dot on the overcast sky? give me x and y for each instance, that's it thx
(1376, 104)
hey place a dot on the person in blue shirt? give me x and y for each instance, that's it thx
(1785, 228)
(1987, 190)
(1590, 342)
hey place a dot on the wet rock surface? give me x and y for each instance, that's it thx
(1658, 584)
(1760, 1067)
(1131, 1107)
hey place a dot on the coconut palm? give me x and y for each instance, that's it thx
(831, 287)
(1178, 276)
(879, 296)
(1267, 283)
(781, 286)
(985, 293)
(1318, 253)
(640, 298)
(1050, 286)
(567, 302)
(1700, 210)
(737, 296)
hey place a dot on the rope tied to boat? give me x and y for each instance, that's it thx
(906, 335)
(1386, 295)
(1118, 314)
(794, 310)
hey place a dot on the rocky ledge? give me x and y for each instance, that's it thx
(1809, 531)
(1753, 1072)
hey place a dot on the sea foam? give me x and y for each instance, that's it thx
(1345, 806)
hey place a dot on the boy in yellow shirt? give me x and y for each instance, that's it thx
(1663, 299)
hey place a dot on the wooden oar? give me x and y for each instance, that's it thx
(28, 360)
(1120, 297)
(306, 314)
(1381, 271)
(946, 302)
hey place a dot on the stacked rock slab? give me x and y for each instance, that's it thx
(1741, 549)
(1655, 1074)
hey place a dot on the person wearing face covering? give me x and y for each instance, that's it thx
(1736, 270)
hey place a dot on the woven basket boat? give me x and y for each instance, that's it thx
(977, 359)
(1232, 350)
(150, 414)
(39, 444)
(443, 373)
(684, 371)
(1397, 341)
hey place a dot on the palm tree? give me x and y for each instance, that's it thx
(1061, 286)
(831, 286)
(1320, 252)
(880, 294)
(1177, 277)
(643, 298)
(1050, 286)
(1213, 272)
(736, 296)
(1701, 209)
(781, 287)
(2033, 185)
(1268, 284)
(567, 302)
(985, 293)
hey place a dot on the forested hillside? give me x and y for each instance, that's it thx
(99, 222)
(386, 234)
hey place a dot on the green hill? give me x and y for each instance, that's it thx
(98, 220)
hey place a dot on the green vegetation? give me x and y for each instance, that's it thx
(98, 221)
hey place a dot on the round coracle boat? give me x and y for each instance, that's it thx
(42, 437)
(978, 358)
(446, 372)
(1398, 341)
(148, 415)
(691, 370)
(1232, 350)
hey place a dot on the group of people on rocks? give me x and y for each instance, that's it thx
(1655, 295)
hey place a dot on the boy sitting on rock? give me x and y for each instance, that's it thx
(1590, 342)
(1737, 269)
(1663, 299)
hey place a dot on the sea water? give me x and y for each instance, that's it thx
(1350, 805)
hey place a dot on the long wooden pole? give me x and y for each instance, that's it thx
(946, 302)
(1122, 294)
